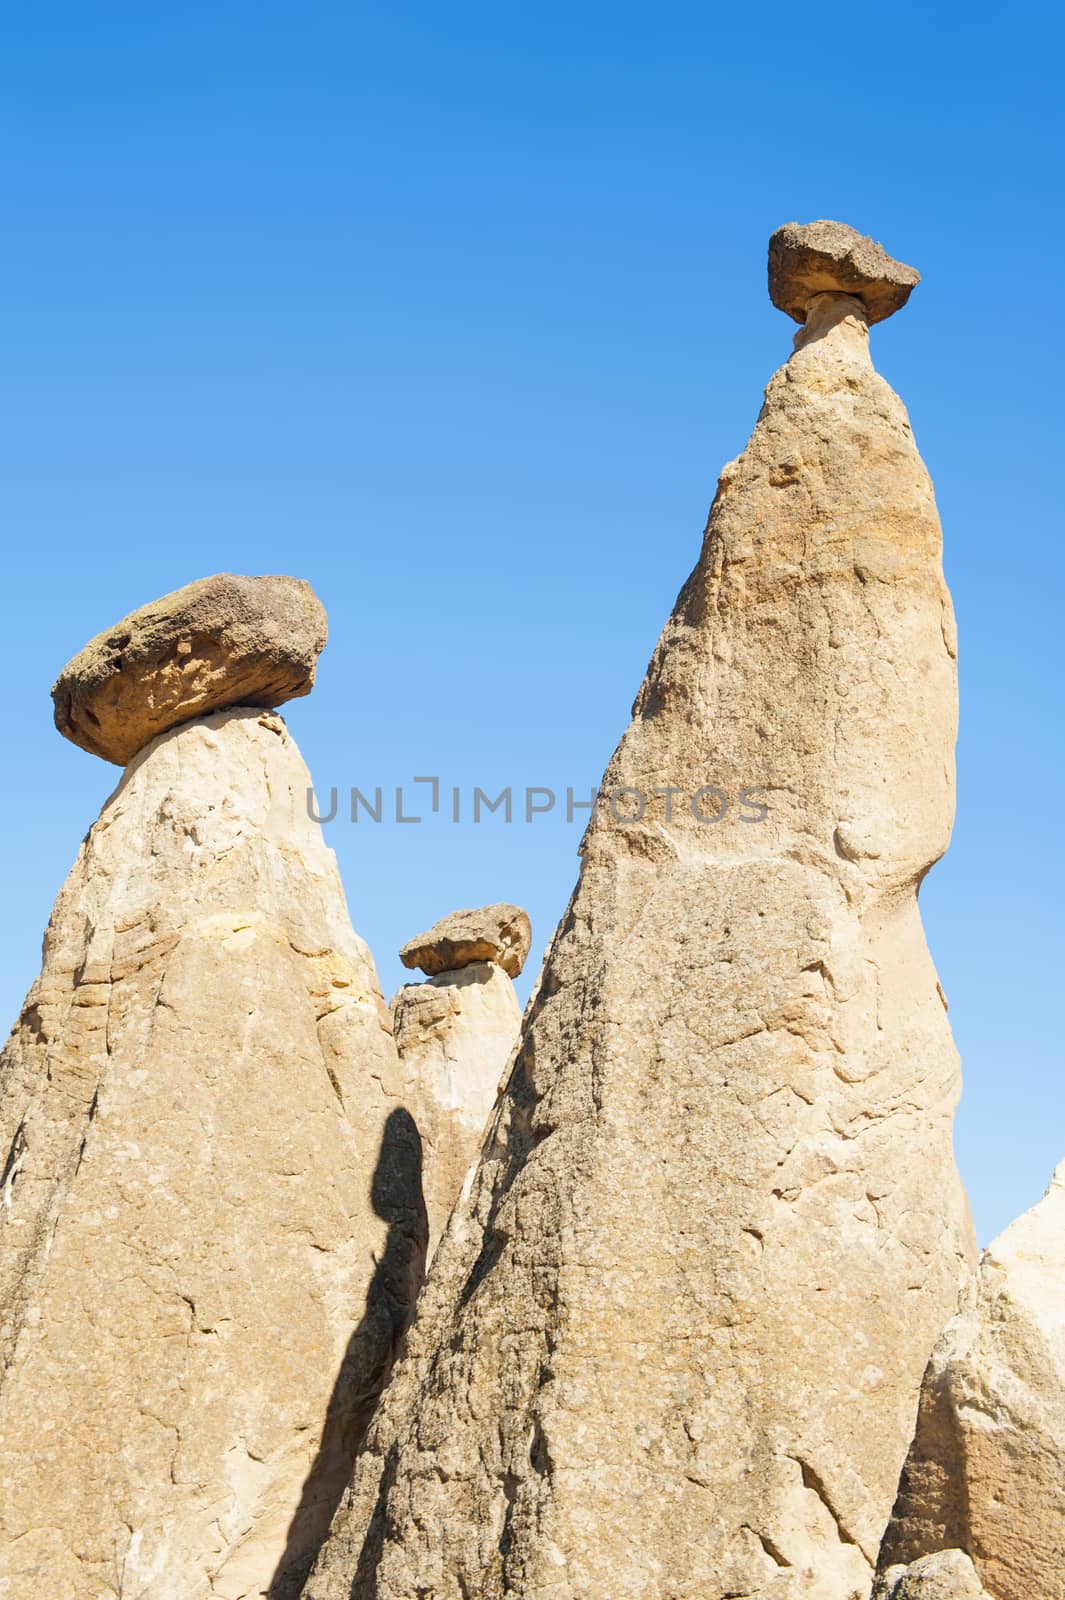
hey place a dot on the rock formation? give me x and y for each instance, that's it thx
(673, 1339)
(986, 1471)
(222, 641)
(830, 258)
(455, 1035)
(499, 933)
(212, 1230)
(948, 1575)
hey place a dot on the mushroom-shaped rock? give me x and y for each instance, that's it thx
(499, 933)
(673, 1335)
(947, 1575)
(812, 258)
(219, 642)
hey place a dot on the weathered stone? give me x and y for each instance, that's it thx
(986, 1471)
(455, 1034)
(673, 1338)
(947, 1575)
(807, 259)
(499, 933)
(221, 641)
(211, 1228)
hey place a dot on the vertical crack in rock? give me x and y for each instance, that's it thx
(668, 1268)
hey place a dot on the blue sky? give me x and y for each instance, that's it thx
(456, 311)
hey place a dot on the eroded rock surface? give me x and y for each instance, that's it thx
(986, 1471)
(211, 1232)
(499, 933)
(455, 1034)
(221, 641)
(673, 1338)
(948, 1575)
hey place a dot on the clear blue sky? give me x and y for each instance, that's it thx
(456, 310)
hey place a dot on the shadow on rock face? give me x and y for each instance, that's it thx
(396, 1195)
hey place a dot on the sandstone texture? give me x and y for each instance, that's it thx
(455, 1035)
(986, 1471)
(948, 1575)
(807, 259)
(222, 641)
(499, 933)
(211, 1232)
(673, 1338)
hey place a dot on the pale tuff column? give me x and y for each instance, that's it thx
(456, 1034)
(672, 1344)
(212, 1231)
(986, 1471)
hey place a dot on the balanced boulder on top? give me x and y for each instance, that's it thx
(222, 641)
(812, 258)
(499, 933)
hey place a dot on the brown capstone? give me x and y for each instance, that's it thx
(221, 641)
(811, 258)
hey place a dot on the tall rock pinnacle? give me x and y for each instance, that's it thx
(212, 1230)
(672, 1342)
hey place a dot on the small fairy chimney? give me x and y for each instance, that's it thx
(455, 1034)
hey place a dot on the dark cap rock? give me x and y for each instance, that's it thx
(501, 933)
(811, 258)
(218, 642)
